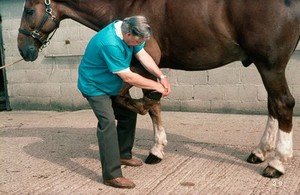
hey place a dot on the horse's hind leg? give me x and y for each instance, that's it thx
(267, 142)
(280, 107)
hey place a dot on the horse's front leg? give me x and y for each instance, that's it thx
(280, 106)
(149, 103)
(160, 138)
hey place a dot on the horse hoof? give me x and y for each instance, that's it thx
(254, 159)
(270, 172)
(152, 159)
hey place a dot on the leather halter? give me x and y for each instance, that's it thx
(36, 33)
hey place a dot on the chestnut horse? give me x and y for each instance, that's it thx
(194, 35)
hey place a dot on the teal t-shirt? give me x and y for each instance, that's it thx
(105, 53)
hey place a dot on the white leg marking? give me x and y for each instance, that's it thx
(285, 145)
(284, 150)
(268, 140)
(160, 139)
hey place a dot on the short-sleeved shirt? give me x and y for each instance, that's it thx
(106, 53)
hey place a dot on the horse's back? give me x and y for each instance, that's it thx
(198, 35)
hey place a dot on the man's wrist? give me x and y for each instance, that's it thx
(162, 77)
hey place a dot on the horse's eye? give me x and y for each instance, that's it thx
(28, 11)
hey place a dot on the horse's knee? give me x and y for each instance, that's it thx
(143, 111)
(135, 105)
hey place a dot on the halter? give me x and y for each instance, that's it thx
(36, 33)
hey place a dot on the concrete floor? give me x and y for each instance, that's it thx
(57, 153)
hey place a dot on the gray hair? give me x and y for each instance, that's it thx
(137, 26)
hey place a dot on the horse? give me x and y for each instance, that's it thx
(193, 35)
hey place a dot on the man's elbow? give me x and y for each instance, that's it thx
(128, 79)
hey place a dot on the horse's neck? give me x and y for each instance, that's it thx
(94, 15)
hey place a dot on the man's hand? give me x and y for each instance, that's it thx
(167, 87)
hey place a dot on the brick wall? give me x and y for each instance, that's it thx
(49, 83)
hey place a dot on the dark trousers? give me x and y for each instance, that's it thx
(115, 142)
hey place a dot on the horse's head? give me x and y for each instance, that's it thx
(39, 20)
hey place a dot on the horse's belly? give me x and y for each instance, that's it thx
(201, 59)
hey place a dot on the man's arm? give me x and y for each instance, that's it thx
(137, 80)
(148, 62)
(150, 65)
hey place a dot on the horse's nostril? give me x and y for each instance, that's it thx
(31, 50)
(32, 53)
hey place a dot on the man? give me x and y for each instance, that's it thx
(102, 71)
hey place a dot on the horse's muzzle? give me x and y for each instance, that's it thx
(29, 53)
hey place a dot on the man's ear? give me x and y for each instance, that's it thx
(128, 34)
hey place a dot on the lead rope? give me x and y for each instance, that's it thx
(7, 65)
